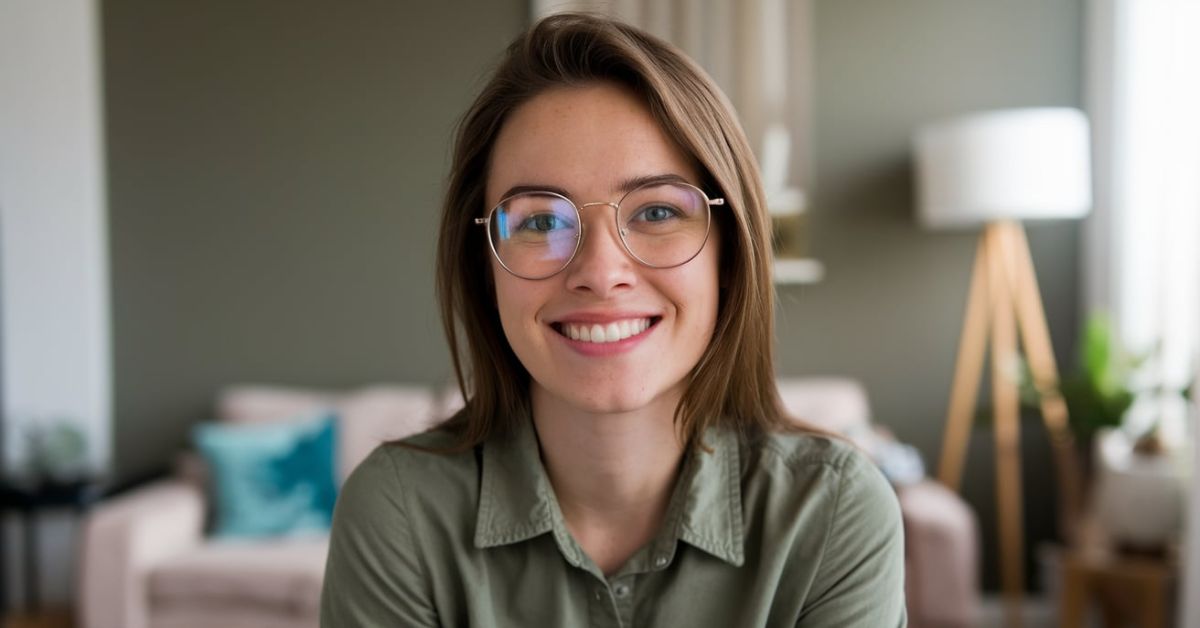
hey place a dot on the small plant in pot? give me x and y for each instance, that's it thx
(1135, 483)
(56, 452)
(1097, 393)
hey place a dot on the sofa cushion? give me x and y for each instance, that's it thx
(941, 548)
(367, 416)
(382, 413)
(271, 478)
(283, 575)
(835, 404)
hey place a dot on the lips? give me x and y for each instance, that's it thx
(602, 333)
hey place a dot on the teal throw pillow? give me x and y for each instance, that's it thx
(271, 479)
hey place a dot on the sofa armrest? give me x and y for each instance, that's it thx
(124, 539)
(941, 549)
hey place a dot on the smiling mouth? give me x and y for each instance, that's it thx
(614, 331)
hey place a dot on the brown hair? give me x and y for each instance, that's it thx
(733, 383)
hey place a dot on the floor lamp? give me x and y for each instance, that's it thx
(995, 169)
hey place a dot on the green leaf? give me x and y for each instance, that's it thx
(1097, 352)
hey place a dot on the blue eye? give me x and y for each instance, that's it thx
(657, 213)
(544, 223)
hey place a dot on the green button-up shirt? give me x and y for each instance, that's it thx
(791, 530)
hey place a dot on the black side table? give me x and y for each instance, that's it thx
(30, 497)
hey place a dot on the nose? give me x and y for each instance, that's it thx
(601, 266)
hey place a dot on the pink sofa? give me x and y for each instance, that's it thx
(147, 564)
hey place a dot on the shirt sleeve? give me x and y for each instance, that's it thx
(373, 575)
(860, 577)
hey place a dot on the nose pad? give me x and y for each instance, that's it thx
(602, 264)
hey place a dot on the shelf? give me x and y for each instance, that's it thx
(792, 271)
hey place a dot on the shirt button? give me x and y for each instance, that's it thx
(661, 561)
(599, 596)
(621, 590)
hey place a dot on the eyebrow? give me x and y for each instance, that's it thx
(623, 187)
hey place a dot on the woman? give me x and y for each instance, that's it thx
(622, 458)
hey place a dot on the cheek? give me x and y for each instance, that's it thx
(517, 302)
(696, 293)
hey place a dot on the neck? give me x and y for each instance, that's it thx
(613, 472)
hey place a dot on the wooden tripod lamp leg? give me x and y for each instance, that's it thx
(1007, 425)
(1003, 296)
(967, 371)
(1035, 337)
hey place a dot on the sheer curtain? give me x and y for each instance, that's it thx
(758, 52)
(1142, 248)
(1142, 244)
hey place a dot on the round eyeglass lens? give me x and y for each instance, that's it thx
(534, 234)
(664, 225)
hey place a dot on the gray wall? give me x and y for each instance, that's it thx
(890, 309)
(275, 169)
(274, 177)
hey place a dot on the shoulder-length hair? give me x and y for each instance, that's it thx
(733, 383)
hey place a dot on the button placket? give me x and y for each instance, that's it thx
(623, 593)
(603, 610)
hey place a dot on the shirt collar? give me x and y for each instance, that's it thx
(517, 501)
(711, 516)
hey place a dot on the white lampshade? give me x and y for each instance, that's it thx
(1014, 164)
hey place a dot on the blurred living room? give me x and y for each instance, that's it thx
(220, 218)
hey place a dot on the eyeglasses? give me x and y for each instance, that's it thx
(535, 235)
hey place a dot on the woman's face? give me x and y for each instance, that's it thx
(589, 141)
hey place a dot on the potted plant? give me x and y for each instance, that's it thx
(1097, 393)
(56, 452)
(1134, 480)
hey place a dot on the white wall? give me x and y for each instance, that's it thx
(54, 336)
(54, 305)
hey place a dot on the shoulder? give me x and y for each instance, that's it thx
(841, 520)
(406, 475)
(822, 469)
(376, 572)
(800, 451)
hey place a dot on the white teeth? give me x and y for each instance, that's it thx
(612, 332)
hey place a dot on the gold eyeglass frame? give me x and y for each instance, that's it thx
(708, 204)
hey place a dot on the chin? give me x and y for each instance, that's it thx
(616, 404)
(613, 398)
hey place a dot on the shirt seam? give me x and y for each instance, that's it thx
(825, 543)
(484, 533)
(736, 538)
(795, 460)
(404, 495)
